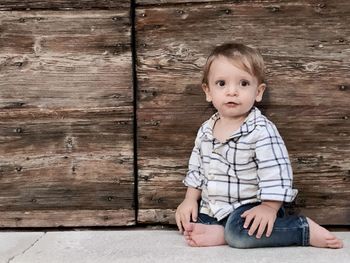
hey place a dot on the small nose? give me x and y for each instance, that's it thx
(232, 90)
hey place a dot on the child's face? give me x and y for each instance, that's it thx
(232, 90)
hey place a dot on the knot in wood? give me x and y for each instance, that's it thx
(18, 130)
(297, 65)
(343, 87)
(274, 9)
(116, 96)
(69, 143)
(18, 64)
(155, 123)
(146, 178)
(180, 12)
(122, 122)
(19, 104)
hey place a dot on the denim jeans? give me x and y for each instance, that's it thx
(288, 230)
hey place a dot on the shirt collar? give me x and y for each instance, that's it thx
(247, 127)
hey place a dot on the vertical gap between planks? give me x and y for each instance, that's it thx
(135, 87)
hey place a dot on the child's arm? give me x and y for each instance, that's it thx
(188, 208)
(261, 217)
(275, 179)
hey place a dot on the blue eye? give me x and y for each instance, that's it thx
(244, 83)
(221, 83)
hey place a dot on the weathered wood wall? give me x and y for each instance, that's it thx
(66, 103)
(306, 45)
(66, 114)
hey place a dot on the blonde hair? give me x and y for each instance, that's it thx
(244, 57)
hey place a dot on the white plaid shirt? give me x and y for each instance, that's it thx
(251, 166)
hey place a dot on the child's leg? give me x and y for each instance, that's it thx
(287, 231)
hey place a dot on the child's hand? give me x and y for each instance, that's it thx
(263, 216)
(188, 208)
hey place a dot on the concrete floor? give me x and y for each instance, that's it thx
(144, 245)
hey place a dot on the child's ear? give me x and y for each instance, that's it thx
(206, 91)
(260, 92)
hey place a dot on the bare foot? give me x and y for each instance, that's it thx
(200, 235)
(321, 237)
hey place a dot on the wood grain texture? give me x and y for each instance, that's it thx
(306, 46)
(73, 218)
(66, 119)
(164, 2)
(63, 4)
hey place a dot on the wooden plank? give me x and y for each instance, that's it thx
(65, 133)
(63, 4)
(73, 218)
(75, 53)
(103, 33)
(276, 3)
(163, 2)
(331, 215)
(66, 119)
(69, 181)
(306, 48)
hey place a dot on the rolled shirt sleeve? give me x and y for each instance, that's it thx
(275, 176)
(194, 177)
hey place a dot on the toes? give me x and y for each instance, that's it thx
(334, 246)
(335, 243)
(192, 243)
(189, 240)
(330, 236)
(189, 227)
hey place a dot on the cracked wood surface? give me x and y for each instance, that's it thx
(66, 117)
(63, 4)
(306, 46)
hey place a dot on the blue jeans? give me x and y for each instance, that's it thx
(287, 230)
